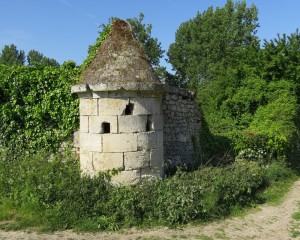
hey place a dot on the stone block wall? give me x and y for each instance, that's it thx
(182, 122)
(121, 130)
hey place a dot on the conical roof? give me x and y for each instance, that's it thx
(120, 60)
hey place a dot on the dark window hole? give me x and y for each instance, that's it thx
(105, 127)
(129, 109)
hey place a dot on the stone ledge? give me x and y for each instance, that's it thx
(79, 88)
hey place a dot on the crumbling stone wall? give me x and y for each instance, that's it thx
(182, 122)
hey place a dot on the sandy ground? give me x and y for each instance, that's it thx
(267, 223)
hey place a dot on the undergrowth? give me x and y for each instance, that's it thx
(48, 193)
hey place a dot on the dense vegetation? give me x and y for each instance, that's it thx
(38, 111)
(248, 94)
(52, 195)
(249, 97)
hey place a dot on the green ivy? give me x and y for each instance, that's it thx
(37, 109)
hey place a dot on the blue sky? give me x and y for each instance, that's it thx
(63, 29)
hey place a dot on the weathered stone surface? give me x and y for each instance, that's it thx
(107, 161)
(76, 139)
(159, 138)
(132, 123)
(88, 107)
(146, 140)
(90, 142)
(112, 107)
(126, 142)
(157, 122)
(95, 124)
(136, 160)
(144, 106)
(99, 94)
(126, 178)
(84, 124)
(79, 88)
(120, 59)
(182, 122)
(83, 95)
(157, 157)
(86, 162)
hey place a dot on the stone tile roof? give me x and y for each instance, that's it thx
(120, 59)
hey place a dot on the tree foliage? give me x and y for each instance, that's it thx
(12, 56)
(37, 109)
(247, 94)
(214, 40)
(34, 57)
(143, 34)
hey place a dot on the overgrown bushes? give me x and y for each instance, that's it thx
(37, 109)
(51, 194)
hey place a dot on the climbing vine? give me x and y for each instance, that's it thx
(37, 109)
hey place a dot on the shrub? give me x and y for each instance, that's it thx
(37, 109)
(52, 193)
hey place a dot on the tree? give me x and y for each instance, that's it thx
(281, 57)
(12, 56)
(213, 41)
(35, 57)
(143, 34)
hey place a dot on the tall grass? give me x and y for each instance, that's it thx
(50, 193)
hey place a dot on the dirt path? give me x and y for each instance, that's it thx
(267, 224)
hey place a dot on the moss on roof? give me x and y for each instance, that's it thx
(120, 59)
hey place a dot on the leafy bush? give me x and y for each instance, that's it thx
(50, 192)
(37, 109)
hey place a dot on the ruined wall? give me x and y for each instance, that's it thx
(182, 122)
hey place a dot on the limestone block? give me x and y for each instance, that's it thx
(146, 140)
(132, 123)
(136, 160)
(157, 157)
(125, 142)
(88, 107)
(79, 88)
(156, 122)
(107, 161)
(127, 178)
(86, 162)
(84, 124)
(112, 107)
(76, 140)
(144, 106)
(160, 138)
(152, 172)
(96, 124)
(122, 94)
(91, 142)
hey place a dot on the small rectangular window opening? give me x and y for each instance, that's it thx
(105, 127)
(129, 109)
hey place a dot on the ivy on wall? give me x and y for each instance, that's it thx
(37, 109)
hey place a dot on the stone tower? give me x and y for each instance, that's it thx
(121, 119)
